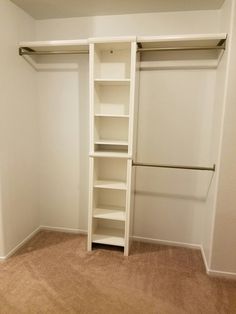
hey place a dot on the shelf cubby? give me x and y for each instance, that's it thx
(111, 134)
(113, 169)
(111, 212)
(112, 60)
(109, 199)
(111, 99)
(111, 232)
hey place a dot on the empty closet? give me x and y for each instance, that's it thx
(182, 95)
(125, 129)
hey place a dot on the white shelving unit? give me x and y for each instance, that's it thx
(112, 81)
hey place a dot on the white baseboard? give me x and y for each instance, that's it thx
(167, 242)
(210, 272)
(32, 234)
(204, 259)
(19, 245)
(62, 229)
(216, 273)
(222, 274)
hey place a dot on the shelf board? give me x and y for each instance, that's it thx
(110, 236)
(200, 40)
(111, 142)
(110, 154)
(108, 184)
(111, 40)
(56, 45)
(109, 212)
(112, 81)
(110, 115)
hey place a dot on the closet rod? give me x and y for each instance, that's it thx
(140, 164)
(180, 48)
(24, 51)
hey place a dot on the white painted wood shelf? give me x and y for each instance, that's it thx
(109, 212)
(110, 154)
(111, 142)
(112, 79)
(110, 115)
(110, 236)
(56, 45)
(114, 185)
(188, 40)
(202, 40)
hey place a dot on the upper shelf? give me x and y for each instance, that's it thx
(180, 41)
(54, 46)
(174, 42)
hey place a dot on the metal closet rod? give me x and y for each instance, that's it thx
(24, 51)
(141, 164)
(180, 48)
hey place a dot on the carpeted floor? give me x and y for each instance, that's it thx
(53, 273)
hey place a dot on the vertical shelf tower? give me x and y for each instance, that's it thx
(112, 96)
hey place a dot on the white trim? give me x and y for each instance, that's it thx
(204, 259)
(216, 273)
(221, 274)
(18, 246)
(63, 229)
(210, 272)
(167, 242)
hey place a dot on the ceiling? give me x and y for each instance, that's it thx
(45, 9)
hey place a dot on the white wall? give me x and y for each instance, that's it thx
(224, 237)
(216, 137)
(63, 114)
(175, 123)
(164, 210)
(130, 24)
(18, 131)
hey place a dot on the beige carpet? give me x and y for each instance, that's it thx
(53, 273)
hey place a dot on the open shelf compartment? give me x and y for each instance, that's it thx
(111, 134)
(112, 99)
(109, 204)
(110, 173)
(112, 60)
(108, 232)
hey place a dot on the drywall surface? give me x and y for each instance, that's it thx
(224, 240)
(216, 137)
(129, 24)
(174, 127)
(169, 205)
(18, 130)
(63, 115)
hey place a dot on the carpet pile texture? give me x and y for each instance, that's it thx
(53, 273)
